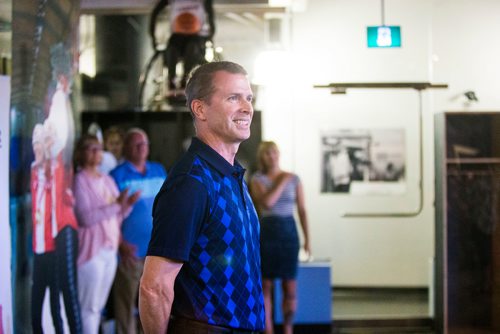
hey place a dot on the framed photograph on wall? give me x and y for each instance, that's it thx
(363, 161)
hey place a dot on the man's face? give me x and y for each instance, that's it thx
(49, 139)
(38, 152)
(229, 112)
(138, 148)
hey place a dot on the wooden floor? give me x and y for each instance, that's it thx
(375, 311)
(357, 311)
(355, 303)
(378, 311)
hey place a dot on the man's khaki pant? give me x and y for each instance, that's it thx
(125, 294)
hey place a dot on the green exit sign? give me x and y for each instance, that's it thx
(384, 36)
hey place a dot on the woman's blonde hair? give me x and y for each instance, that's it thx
(263, 148)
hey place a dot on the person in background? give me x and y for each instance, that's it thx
(192, 24)
(341, 169)
(135, 174)
(276, 193)
(43, 242)
(113, 149)
(100, 209)
(205, 240)
(58, 130)
(63, 219)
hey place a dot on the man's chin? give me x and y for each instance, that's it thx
(244, 137)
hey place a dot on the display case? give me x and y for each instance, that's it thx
(314, 298)
(467, 280)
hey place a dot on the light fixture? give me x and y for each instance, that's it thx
(467, 98)
(471, 96)
(383, 36)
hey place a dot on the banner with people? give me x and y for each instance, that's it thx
(44, 228)
(5, 244)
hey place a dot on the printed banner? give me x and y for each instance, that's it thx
(44, 64)
(5, 245)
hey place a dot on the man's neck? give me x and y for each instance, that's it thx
(227, 151)
(139, 165)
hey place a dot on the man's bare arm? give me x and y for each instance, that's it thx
(156, 293)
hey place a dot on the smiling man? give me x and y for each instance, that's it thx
(204, 248)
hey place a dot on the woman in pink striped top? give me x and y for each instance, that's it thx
(100, 210)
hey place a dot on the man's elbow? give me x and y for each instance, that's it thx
(154, 306)
(154, 292)
(148, 291)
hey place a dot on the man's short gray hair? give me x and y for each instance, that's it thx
(200, 83)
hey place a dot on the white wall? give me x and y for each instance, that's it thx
(443, 41)
(5, 246)
(466, 52)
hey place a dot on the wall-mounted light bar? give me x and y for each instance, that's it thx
(341, 87)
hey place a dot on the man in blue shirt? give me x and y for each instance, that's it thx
(205, 240)
(136, 174)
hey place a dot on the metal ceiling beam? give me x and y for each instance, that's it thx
(342, 86)
(130, 7)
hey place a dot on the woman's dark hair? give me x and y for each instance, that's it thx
(81, 146)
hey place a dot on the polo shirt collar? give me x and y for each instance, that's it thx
(132, 168)
(215, 159)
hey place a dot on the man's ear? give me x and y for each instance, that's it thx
(198, 107)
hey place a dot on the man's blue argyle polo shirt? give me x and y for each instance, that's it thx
(203, 216)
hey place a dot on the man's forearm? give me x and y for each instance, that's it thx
(154, 311)
(156, 293)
